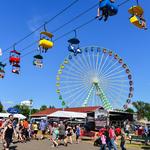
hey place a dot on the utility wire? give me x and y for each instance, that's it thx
(123, 3)
(63, 10)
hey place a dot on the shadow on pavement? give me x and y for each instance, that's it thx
(13, 147)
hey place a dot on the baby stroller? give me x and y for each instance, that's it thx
(97, 142)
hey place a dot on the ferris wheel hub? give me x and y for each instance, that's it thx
(95, 80)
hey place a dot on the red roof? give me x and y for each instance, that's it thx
(75, 109)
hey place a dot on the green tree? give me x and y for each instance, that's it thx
(130, 110)
(43, 107)
(1, 107)
(51, 106)
(142, 109)
(33, 111)
(25, 110)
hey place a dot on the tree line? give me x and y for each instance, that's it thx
(140, 107)
(26, 110)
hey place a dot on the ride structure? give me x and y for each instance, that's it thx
(95, 77)
(14, 60)
(2, 71)
(45, 41)
(74, 45)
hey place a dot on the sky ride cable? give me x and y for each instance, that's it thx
(79, 27)
(51, 19)
(74, 29)
(76, 17)
(123, 3)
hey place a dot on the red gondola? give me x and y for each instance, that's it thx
(14, 57)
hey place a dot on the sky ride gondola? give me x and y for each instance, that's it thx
(16, 68)
(137, 16)
(108, 8)
(45, 41)
(14, 60)
(38, 61)
(74, 45)
(14, 57)
(2, 71)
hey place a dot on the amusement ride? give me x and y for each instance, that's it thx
(96, 76)
(91, 75)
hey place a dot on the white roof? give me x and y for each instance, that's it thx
(6, 115)
(68, 114)
(19, 116)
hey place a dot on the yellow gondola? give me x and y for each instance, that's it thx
(46, 44)
(45, 41)
(135, 20)
(136, 10)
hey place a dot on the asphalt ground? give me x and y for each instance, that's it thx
(47, 145)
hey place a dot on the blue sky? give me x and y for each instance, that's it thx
(19, 18)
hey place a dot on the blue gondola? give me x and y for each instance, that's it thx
(108, 8)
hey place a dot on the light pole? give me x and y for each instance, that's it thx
(30, 106)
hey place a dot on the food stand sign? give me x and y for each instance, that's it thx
(101, 117)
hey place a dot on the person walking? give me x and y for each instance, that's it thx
(122, 141)
(112, 137)
(77, 133)
(43, 127)
(62, 134)
(103, 141)
(7, 135)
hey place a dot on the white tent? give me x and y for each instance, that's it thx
(6, 115)
(67, 114)
(19, 116)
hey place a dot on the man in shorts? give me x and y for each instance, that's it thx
(62, 133)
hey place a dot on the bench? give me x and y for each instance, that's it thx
(142, 139)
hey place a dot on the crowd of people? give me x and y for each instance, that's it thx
(22, 131)
(110, 136)
(63, 133)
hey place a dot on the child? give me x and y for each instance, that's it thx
(103, 140)
(77, 134)
(143, 22)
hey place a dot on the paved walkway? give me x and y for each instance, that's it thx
(46, 145)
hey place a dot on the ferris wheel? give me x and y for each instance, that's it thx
(95, 77)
